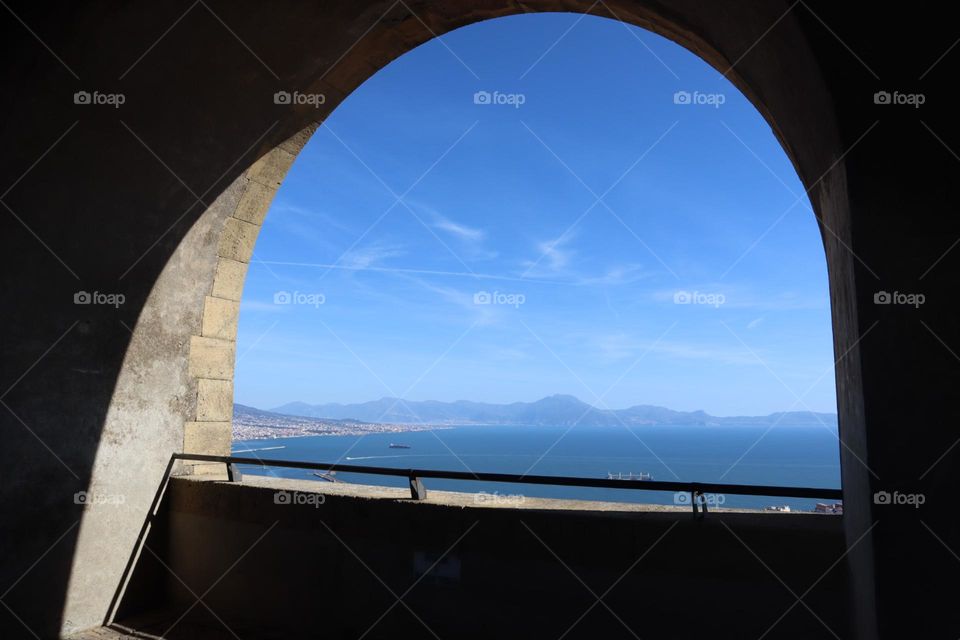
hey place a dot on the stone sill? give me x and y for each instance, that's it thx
(470, 500)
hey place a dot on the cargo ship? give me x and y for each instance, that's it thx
(629, 476)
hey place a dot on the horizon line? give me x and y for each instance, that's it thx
(743, 415)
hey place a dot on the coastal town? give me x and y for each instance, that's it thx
(251, 424)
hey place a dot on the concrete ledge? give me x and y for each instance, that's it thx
(207, 470)
(513, 500)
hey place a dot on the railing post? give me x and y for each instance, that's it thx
(695, 496)
(417, 490)
(233, 473)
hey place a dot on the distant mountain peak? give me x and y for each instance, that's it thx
(554, 410)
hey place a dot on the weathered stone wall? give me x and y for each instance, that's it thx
(160, 200)
(213, 348)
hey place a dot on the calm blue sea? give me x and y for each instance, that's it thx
(786, 456)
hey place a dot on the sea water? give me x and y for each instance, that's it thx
(752, 455)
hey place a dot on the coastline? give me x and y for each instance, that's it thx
(249, 432)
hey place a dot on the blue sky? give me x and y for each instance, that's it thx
(635, 250)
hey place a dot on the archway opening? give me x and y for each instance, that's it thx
(545, 244)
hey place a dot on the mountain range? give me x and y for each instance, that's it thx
(555, 410)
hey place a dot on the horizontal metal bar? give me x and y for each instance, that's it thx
(566, 481)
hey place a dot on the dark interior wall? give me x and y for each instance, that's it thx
(105, 199)
(901, 169)
(340, 564)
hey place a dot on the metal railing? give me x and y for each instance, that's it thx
(698, 490)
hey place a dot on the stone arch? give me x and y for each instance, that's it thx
(172, 387)
(212, 350)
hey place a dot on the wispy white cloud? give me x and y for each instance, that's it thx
(555, 252)
(311, 215)
(470, 240)
(461, 231)
(621, 346)
(617, 275)
(555, 259)
(262, 306)
(686, 351)
(551, 257)
(740, 297)
(370, 256)
(483, 314)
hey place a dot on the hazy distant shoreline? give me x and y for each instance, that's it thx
(250, 423)
(255, 432)
(555, 410)
(254, 424)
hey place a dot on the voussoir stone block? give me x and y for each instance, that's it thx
(229, 279)
(254, 203)
(295, 143)
(220, 318)
(214, 400)
(271, 168)
(211, 358)
(238, 240)
(212, 438)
